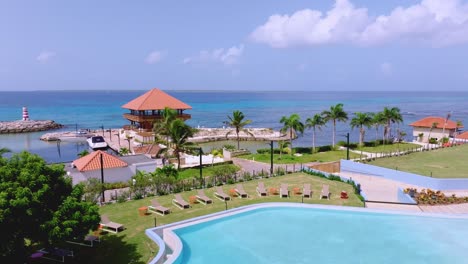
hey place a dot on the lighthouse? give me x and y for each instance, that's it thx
(25, 114)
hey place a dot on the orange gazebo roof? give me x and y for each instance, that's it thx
(428, 121)
(155, 99)
(92, 161)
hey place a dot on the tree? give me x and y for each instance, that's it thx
(316, 122)
(292, 124)
(39, 205)
(123, 151)
(459, 124)
(179, 133)
(83, 153)
(336, 113)
(377, 121)
(390, 116)
(361, 120)
(162, 127)
(237, 122)
(3, 151)
(445, 124)
(282, 145)
(433, 125)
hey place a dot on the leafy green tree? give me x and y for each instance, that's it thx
(38, 205)
(433, 125)
(237, 122)
(293, 125)
(179, 133)
(361, 120)
(316, 123)
(139, 182)
(3, 151)
(336, 113)
(167, 171)
(390, 116)
(123, 151)
(282, 145)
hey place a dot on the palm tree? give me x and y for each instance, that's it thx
(237, 121)
(316, 122)
(3, 151)
(179, 133)
(292, 124)
(377, 121)
(390, 116)
(124, 151)
(282, 145)
(434, 125)
(361, 120)
(336, 113)
(458, 125)
(445, 124)
(162, 126)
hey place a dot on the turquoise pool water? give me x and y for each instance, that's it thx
(306, 235)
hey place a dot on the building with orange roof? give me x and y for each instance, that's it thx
(147, 108)
(435, 127)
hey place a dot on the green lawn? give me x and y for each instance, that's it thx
(133, 246)
(305, 158)
(390, 148)
(443, 163)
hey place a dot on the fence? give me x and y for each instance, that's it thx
(406, 177)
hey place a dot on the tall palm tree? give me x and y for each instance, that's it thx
(445, 124)
(390, 116)
(179, 133)
(292, 124)
(377, 121)
(336, 113)
(361, 120)
(161, 127)
(237, 121)
(316, 122)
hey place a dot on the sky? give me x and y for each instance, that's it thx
(341, 45)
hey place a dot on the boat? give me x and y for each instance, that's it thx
(97, 142)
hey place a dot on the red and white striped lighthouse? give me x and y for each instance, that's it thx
(25, 114)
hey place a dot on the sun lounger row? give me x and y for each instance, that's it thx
(284, 191)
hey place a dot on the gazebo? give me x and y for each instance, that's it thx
(147, 108)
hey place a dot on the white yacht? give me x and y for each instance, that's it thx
(97, 142)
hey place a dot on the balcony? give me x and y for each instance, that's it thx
(151, 118)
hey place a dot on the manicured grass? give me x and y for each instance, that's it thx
(207, 171)
(390, 148)
(133, 246)
(305, 158)
(443, 163)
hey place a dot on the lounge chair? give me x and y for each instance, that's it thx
(180, 202)
(88, 241)
(240, 191)
(221, 195)
(110, 226)
(203, 198)
(306, 192)
(158, 208)
(325, 192)
(284, 192)
(261, 190)
(56, 254)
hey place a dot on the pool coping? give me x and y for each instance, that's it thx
(170, 245)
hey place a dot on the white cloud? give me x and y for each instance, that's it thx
(386, 68)
(155, 57)
(45, 56)
(225, 56)
(436, 22)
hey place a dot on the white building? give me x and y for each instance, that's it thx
(433, 126)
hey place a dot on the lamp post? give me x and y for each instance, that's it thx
(200, 152)
(102, 176)
(347, 146)
(102, 127)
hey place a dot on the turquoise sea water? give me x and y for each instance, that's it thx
(304, 235)
(93, 109)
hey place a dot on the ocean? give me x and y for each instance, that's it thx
(96, 108)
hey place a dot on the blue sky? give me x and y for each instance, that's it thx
(234, 45)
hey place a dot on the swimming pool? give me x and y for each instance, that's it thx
(292, 234)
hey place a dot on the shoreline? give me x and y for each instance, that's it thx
(20, 126)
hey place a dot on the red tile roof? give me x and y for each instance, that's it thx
(463, 135)
(92, 161)
(155, 99)
(428, 121)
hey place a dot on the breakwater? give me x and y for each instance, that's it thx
(7, 127)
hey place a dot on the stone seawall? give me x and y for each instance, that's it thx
(20, 126)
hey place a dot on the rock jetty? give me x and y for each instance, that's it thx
(20, 126)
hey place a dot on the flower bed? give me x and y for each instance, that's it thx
(431, 197)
